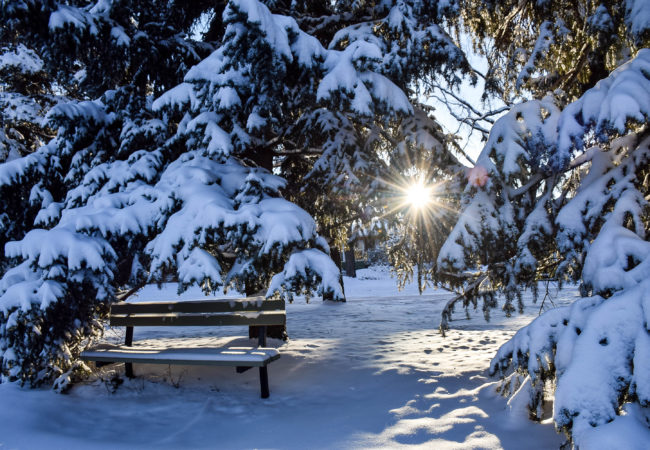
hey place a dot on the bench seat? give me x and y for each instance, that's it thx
(207, 356)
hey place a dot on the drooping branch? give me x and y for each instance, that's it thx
(468, 292)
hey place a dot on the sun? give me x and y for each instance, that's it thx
(418, 195)
(414, 196)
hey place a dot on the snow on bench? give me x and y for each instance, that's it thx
(209, 356)
(251, 311)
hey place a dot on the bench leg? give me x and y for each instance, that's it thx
(128, 341)
(128, 370)
(264, 382)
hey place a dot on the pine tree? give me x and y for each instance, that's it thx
(560, 192)
(122, 196)
(595, 350)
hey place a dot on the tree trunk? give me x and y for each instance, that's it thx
(335, 254)
(272, 331)
(350, 263)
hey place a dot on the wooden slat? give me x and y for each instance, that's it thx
(199, 319)
(225, 356)
(199, 306)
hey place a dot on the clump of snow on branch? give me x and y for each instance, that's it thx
(609, 106)
(21, 59)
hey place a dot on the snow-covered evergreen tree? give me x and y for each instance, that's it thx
(561, 191)
(78, 52)
(336, 93)
(122, 196)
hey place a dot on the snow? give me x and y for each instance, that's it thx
(464, 237)
(599, 351)
(615, 100)
(177, 97)
(93, 111)
(527, 132)
(17, 107)
(73, 17)
(628, 424)
(120, 36)
(27, 291)
(637, 16)
(346, 71)
(610, 180)
(199, 266)
(259, 14)
(606, 264)
(190, 355)
(226, 96)
(21, 59)
(48, 246)
(305, 263)
(599, 365)
(370, 373)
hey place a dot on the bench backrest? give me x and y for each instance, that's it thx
(241, 311)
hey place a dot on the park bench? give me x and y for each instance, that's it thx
(254, 312)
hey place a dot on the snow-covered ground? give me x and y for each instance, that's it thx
(373, 372)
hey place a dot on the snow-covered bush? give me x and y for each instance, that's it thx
(566, 196)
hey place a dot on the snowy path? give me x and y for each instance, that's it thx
(370, 373)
